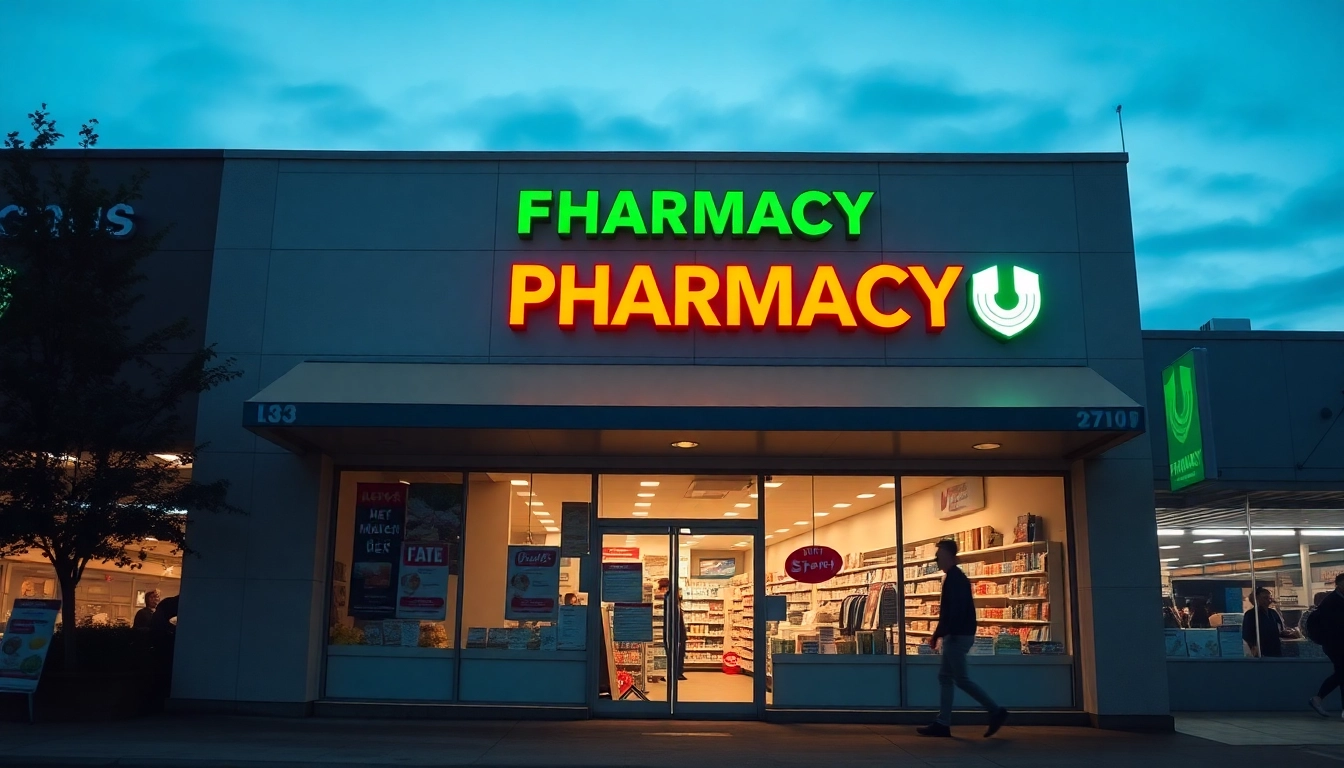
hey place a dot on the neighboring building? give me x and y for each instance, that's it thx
(449, 355)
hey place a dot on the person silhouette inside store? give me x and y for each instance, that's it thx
(674, 630)
(1270, 637)
(144, 617)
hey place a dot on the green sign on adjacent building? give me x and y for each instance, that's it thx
(1185, 401)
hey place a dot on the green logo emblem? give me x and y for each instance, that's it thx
(1005, 309)
(1185, 434)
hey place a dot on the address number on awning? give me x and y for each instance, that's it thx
(276, 413)
(1109, 419)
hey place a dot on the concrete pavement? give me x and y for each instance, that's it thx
(244, 742)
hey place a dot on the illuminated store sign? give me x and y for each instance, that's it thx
(1186, 403)
(1005, 301)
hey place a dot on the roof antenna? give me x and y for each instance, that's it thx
(1119, 117)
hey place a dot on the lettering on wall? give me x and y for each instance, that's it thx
(118, 220)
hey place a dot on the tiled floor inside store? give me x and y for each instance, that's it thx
(707, 686)
(1262, 728)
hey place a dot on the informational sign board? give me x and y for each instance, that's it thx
(620, 553)
(27, 640)
(960, 496)
(573, 629)
(632, 622)
(574, 528)
(622, 582)
(813, 565)
(1185, 399)
(534, 584)
(423, 585)
(380, 514)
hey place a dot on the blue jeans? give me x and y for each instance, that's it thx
(953, 672)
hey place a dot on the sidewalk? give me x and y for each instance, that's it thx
(210, 742)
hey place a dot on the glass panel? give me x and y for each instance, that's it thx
(681, 497)
(378, 598)
(638, 654)
(719, 627)
(1011, 537)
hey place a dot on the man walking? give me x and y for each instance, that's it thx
(674, 630)
(956, 630)
(1326, 626)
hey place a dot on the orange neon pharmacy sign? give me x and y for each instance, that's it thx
(701, 296)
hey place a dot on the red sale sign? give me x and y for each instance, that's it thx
(813, 565)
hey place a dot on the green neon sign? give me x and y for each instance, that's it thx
(1191, 460)
(700, 214)
(1005, 301)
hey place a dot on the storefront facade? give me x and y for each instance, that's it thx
(507, 335)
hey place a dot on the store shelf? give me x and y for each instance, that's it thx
(981, 577)
(991, 550)
(1015, 598)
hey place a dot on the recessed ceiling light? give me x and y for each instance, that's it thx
(1291, 554)
(742, 505)
(648, 483)
(731, 514)
(1323, 531)
(769, 535)
(643, 503)
(781, 530)
(1328, 550)
(987, 446)
(1170, 546)
(774, 484)
(803, 522)
(865, 495)
(1273, 532)
(541, 512)
(1170, 559)
(1214, 554)
(698, 536)
(640, 513)
(821, 514)
(753, 495)
(1207, 541)
(1219, 532)
(841, 505)
(536, 503)
(517, 482)
(547, 521)
(1170, 532)
(685, 444)
(887, 485)
(524, 494)
(1261, 550)
(552, 529)
(645, 495)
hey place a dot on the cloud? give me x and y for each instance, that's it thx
(1308, 213)
(1218, 183)
(1270, 304)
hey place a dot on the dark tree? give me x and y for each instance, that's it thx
(86, 403)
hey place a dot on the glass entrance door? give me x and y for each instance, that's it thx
(677, 603)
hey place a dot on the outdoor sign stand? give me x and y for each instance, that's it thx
(609, 650)
(23, 651)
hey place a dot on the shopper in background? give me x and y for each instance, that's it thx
(1327, 628)
(1199, 613)
(1269, 640)
(674, 630)
(145, 616)
(571, 598)
(956, 630)
(1306, 615)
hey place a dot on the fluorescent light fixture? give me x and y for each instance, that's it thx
(887, 485)
(1262, 550)
(547, 521)
(769, 535)
(841, 505)
(517, 482)
(1341, 549)
(1170, 532)
(1273, 532)
(541, 512)
(742, 505)
(640, 513)
(684, 530)
(774, 485)
(1170, 559)
(781, 530)
(524, 494)
(552, 529)
(753, 495)
(643, 503)
(1218, 532)
(865, 495)
(820, 514)
(648, 483)
(803, 522)
(1207, 541)
(731, 514)
(1323, 531)
(1214, 554)
(645, 495)
(1291, 554)
(698, 536)
(1170, 546)
(536, 503)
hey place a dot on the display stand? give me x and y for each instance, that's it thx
(611, 667)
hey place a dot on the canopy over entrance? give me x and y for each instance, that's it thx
(870, 412)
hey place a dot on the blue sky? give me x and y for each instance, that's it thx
(1233, 110)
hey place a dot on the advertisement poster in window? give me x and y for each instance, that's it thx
(434, 513)
(622, 582)
(573, 528)
(27, 639)
(423, 586)
(380, 514)
(533, 591)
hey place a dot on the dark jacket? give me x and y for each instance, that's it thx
(1271, 625)
(956, 608)
(1329, 619)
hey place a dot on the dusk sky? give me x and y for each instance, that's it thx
(1233, 110)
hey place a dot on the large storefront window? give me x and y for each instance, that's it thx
(106, 596)
(1236, 591)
